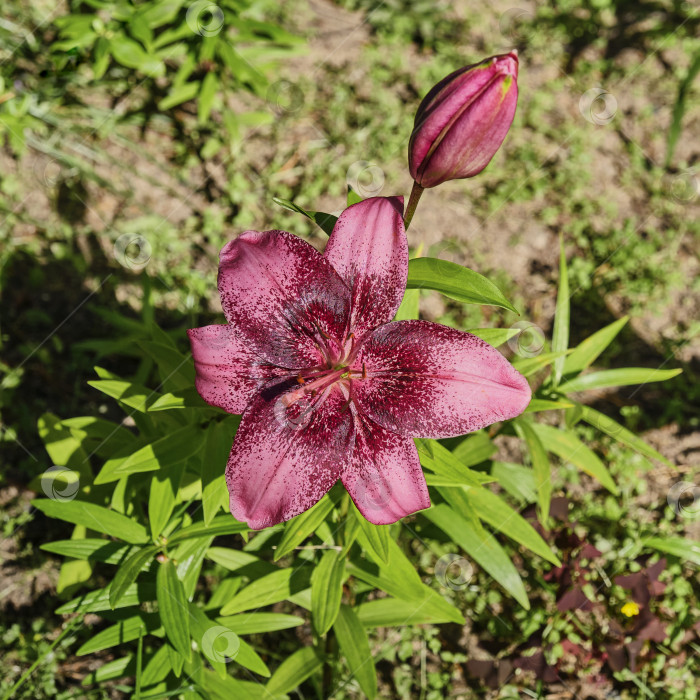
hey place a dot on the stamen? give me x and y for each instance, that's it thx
(364, 371)
(300, 380)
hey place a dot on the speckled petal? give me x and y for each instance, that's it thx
(228, 373)
(384, 477)
(428, 380)
(284, 460)
(368, 248)
(283, 296)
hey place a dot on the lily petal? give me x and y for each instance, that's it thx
(427, 380)
(228, 373)
(368, 248)
(283, 296)
(384, 478)
(284, 459)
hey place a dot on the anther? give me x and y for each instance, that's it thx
(364, 371)
(300, 380)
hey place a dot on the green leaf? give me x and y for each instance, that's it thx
(98, 600)
(270, 589)
(130, 54)
(179, 94)
(157, 668)
(95, 518)
(185, 398)
(164, 452)
(686, 550)
(516, 479)
(176, 370)
(474, 449)
(482, 547)
(495, 336)
(682, 100)
(354, 644)
(499, 515)
(445, 464)
(91, 549)
(617, 377)
(220, 525)
(373, 538)
(257, 623)
(588, 350)
(456, 282)
(530, 365)
(612, 428)
(210, 86)
(394, 612)
(162, 496)
(294, 670)
(569, 448)
(327, 590)
(560, 334)
(233, 559)
(541, 468)
(410, 306)
(124, 631)
(132, 395)
(219, 439)
(303, 526)
(173, 608)
(127, 573)
(537, 405)
(325, 221)
(117, 668)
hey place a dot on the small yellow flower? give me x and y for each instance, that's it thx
(630, 609)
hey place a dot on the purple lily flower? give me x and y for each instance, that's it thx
(462, 121)
(328, 386)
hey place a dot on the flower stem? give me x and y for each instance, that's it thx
(416, 192)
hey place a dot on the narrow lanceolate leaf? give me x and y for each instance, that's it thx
(456, 282)
(91, 549)
(354, 645)
(445, 464)
(294, 670)
(394, 612)
(617, 377)
(303, 526)
(220, 525)
(257, 623)
(325, 221)
(537, 405)
(161, 498)
(270, 589)
(327, 590)
(94, 517)
(215, 454)
(482, 548)
(588, 350)
(166, 451)
(410, 306)
(612, 428)
(540, 466)
(495, 336)
(686, 550)
(98, 600)
(374, 539)
(132, 395)
(124, 631)
(127, 573)
(185, 398)
(569, 448)
(560, 334)
(530, 365)
(474, 449)
(173, 608)
(499, 515)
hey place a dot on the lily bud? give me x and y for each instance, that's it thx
(463, 120)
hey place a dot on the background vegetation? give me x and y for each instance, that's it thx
(138, 137)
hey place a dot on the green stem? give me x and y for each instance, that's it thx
(416, 192)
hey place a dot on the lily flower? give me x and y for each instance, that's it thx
(328, 386)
